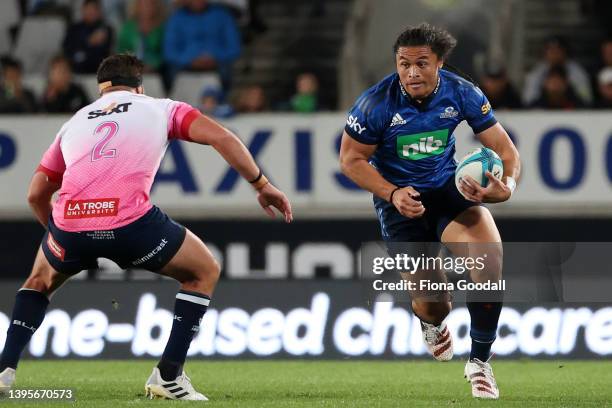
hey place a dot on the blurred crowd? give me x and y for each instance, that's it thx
(169, 36)
(175, 36)
(556, 82)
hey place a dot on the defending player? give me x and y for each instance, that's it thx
(103, 162)
(398, 143)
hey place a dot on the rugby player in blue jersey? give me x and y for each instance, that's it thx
(398, 144)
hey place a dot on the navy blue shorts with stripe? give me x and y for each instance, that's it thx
(442, 205)
(148, 243)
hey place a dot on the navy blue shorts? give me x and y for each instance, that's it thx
(148, 243)
(442, 205)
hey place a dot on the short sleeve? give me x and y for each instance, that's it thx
(52, 162)
(363, 122)
(181, 117)
(477, 110)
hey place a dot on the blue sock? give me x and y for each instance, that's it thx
(188, 311)
(483, 328)
(28, 314)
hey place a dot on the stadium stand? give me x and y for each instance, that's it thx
(188, 86)
(35, 50)
(299, 38)
(9, 17)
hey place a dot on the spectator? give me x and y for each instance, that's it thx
(211, 103)
(498, 89)
(556, 53)
(604, 81)
(89, 41)
(606, 53)
(557, 91)
(202, 37)
(306, 99)
(143, 34)
(61, 94)
(251, 99)
(14, 97)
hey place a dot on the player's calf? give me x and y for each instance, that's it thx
(198, 272)
(29, 310)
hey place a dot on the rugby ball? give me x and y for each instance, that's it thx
(476, 163)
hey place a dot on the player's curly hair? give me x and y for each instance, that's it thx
(120, 66)
(440, 41)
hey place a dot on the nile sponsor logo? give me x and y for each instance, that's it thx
(55, 248)
(100, 207)
(422, 145)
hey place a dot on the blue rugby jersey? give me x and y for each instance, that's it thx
(416, 144)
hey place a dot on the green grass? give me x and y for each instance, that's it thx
(326, 383)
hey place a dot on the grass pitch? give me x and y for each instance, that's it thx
(325, 383)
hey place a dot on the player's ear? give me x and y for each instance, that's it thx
(140, 90)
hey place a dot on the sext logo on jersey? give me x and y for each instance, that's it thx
(109, 110)
(421, 145)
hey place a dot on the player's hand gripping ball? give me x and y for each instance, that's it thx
(476, 164)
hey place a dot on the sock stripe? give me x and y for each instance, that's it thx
(200, 300)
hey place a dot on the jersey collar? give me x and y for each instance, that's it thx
(425, 102)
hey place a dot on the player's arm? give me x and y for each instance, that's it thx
(496, 138)
(354, 164)
(204, 130)
(40, 192)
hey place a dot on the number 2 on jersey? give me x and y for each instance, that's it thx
(111, 129)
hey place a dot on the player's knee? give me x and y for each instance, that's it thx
(205, 276)
(41, 281)
(214, 271)
(491, 265)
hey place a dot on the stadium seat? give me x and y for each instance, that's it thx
(36, 83)
(89, 84)
(188, 86)
(5, 44)
(40, 38)
(9, 16)
(152, 83)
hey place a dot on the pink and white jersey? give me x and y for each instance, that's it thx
(106, 157)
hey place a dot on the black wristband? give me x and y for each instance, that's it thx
(256, 179)
(393, 192)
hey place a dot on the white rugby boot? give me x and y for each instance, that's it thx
(178, 389)
(438, 340)
(7, 379)
(480, 375)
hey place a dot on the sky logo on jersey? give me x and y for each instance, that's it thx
(109, 110)
(353, 124)
(100, 207)
(421, 145)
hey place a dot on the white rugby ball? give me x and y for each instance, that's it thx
(476, 163)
